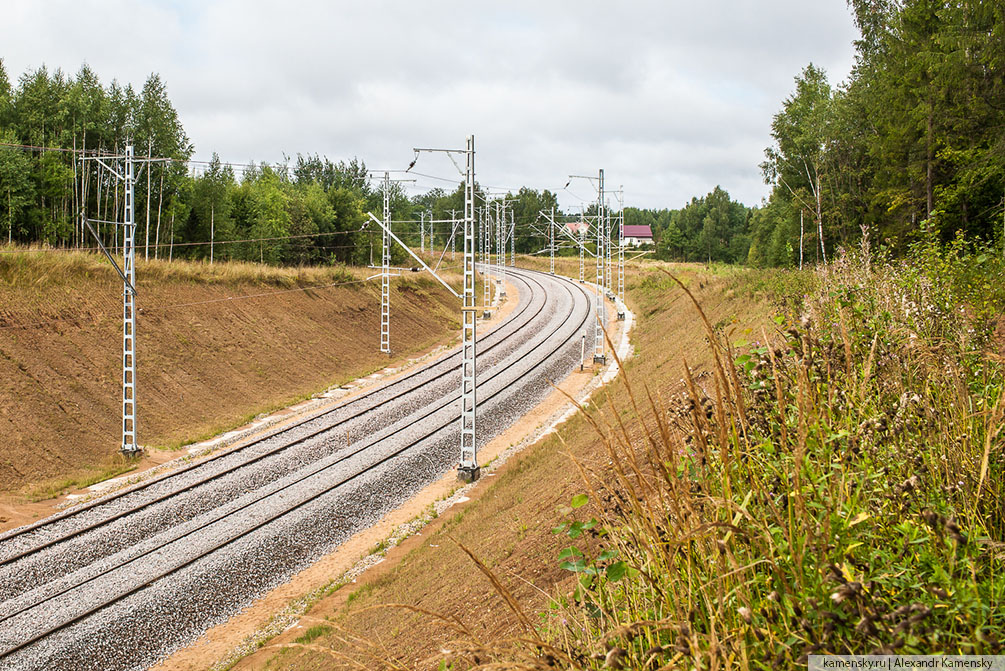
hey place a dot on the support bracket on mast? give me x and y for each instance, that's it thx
(111, 259)
(413, 255)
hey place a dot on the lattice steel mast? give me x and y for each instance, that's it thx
(603, 251)
(129, 445)
(500, 262)
(621, 253)
(599, 355)
(486, 245)
(468, 469)
(385, 271)
(551, 239)
(512, 239)
(128, 274)
(582, 245)
(607, 243)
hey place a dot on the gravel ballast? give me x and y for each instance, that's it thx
(192, 560)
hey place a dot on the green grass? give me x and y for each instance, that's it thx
(313, 633)
(56, 488)
(367, 588)
(380, 548)
(834, 491)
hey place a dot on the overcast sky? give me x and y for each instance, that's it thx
(669, 97)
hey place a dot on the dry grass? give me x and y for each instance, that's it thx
(835, 489)
(216, 346)
(39, 268)
(508, 527)
(835, 485)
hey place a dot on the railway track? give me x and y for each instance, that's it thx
(122, 580)
(31, 539)
(358, 406)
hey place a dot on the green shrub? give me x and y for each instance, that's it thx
(839, 490)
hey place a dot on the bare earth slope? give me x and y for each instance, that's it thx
(215, 346)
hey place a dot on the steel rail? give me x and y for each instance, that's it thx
(273, 434)
(148, 582)
(280, 448)
(535, 287)
(311, 472)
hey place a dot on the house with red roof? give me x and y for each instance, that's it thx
(636, 235)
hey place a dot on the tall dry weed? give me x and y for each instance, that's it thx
(837, 488)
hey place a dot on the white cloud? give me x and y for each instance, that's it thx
(669, 97)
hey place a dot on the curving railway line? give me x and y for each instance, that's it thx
(121, 581)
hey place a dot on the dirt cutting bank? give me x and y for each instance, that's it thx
(216, 345)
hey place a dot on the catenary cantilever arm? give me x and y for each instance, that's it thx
(414, 256)
(110, 258)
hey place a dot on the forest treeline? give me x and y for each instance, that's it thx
(307, 210)
(912, 142)
(916, 135)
